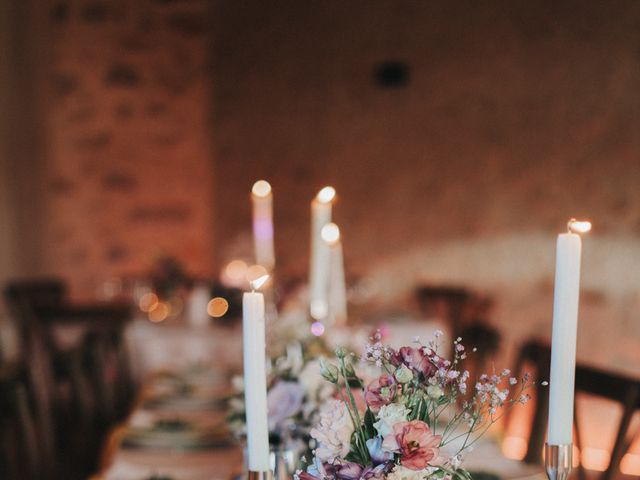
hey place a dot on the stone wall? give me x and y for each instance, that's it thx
(130, 173)
(461, 136)
(459, 165)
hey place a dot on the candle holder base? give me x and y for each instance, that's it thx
(253, 475)
(558, 460)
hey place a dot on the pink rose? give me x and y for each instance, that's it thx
(415, 359)
(381, 391)
(416, 444)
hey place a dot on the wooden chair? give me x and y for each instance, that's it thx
(20, 457)
(623, 390)
(467, 315)
(447, 303)
(89, 383)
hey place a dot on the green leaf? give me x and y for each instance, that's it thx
(369, 420)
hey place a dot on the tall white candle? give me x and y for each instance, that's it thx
(321, 208)
(337, 284)
(565, 326)
(255, 380)
(262, 200)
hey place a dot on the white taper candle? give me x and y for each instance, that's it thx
(564, 333)
(337, 285)
(255, 381)
(262, 200)
(321, 209)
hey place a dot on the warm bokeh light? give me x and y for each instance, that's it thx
(579, 226)
(176, 306)
(326, 195)
(159, 313)
(255, 272)
(630, 464)
(514, 448)
(235, 274)
(261, 188)
(258, 282)
(148, 302)
(595, 459)
(330, 233)
(318, 309)
(317, 328)
(217, 307)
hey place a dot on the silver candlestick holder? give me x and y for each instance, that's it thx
(558, 460)
(253, 475)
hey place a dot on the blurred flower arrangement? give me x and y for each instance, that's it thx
(168, 278)
(296, 388)
(418, 418)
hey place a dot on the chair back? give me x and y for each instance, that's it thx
(622, 389)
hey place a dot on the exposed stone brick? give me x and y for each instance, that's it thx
(171, 2)
(81, 114)
(166, 140)
(119, 181)
(63, 84)
(116, 253)
(188, 23)
(161, 213)
(122, 154)
(93, 141)
(62, 186)
(156, 109)
(95, 12)
(124, 111)
(122, 75)
(59, 12)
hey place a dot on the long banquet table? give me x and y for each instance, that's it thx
(173, 357)
(123, 461)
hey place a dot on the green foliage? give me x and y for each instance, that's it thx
(369, 420)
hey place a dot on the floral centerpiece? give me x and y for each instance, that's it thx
(296, 388)
(414, 421)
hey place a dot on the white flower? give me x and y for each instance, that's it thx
(434, 391)
(403, 473)
(388, 416)
(333, 432)
(237, 382)
(284, 400)
(403, 374)
(237, 404)
(310, 378)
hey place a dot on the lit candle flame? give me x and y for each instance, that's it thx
(330, 233)
(326, 195)
(258, 282)
(261, 188)
(578, 226)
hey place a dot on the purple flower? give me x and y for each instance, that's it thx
(415, 359)
(307, 476)
(318, 470)
(284, 400)
(378, 453)
(378, 472)
(381, 391)
(348, 471)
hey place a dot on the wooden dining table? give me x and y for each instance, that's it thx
(121, 461)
